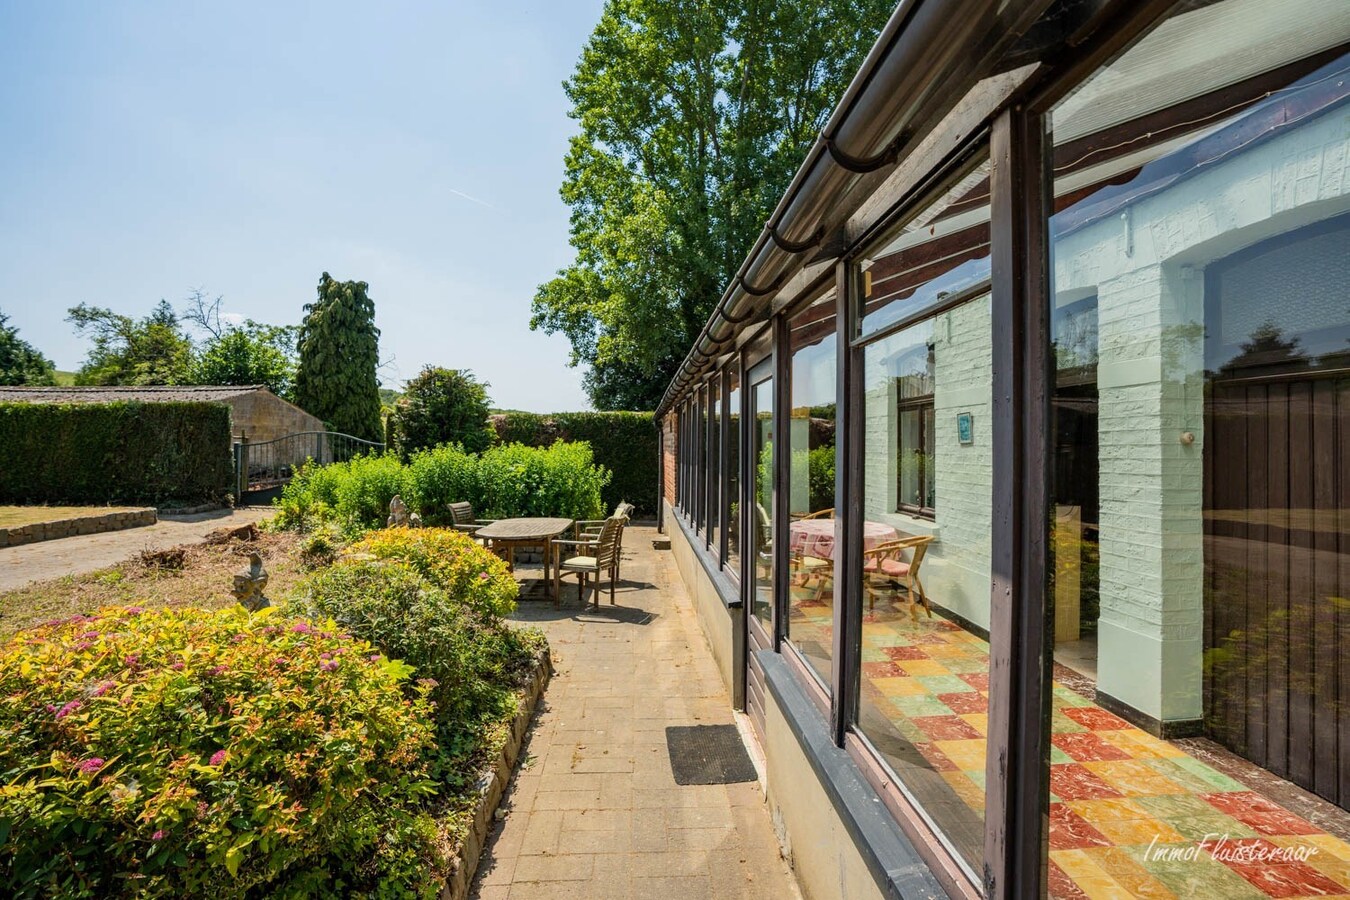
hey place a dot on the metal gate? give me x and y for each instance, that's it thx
(262, 469)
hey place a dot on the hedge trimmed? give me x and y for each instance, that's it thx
(123, 452)
(626, 443)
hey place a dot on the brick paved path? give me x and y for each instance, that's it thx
(595, 813)
(46, 560)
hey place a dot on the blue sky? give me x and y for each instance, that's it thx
(150, 148)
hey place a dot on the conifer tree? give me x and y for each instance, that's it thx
(339, 353)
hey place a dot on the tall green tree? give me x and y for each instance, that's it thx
(339, 351)
(693, 117)
(443, 406)
(20, 361)
(151, 350)
(239, 353)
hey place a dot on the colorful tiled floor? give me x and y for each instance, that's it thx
(1130, 815)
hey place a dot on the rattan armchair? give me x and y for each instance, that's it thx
(885, 566)
(594, 557)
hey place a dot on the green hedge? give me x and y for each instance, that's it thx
(124, 452)
(626, 443)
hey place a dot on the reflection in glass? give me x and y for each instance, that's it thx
(714, 461)
(942, 252)
(733, 420)
(925, 662)
(1201, 320)
(761, 525)
(811, 441)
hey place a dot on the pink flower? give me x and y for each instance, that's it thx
(132, 660)
(92, 765)
(302, 628)
(483, 576)
(178, 666)
(135, 610)
(217, 670)
(103, 688)
(68, 709)
(159, 835)
(329, 666)
(218, 758)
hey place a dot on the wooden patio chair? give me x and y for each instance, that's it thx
(463, 519)
(827, 513)
(589, 529)
(886, 565)
(598, 556)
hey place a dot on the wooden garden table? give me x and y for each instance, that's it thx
(526, 532)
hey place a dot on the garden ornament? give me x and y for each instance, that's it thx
(398, 512)
(249, 584)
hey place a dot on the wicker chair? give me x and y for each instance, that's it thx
(598, 556)
(463, 519)
(885, 565)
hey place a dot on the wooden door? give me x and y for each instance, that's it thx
(1277, 575)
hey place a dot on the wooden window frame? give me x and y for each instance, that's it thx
(921, 404)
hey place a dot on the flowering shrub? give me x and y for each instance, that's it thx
(188, 753)
(452, 561)
(474, 660)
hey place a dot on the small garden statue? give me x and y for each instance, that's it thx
(249, 584)
(398, 512)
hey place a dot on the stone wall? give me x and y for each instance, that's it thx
(264, 416)
(62, 528)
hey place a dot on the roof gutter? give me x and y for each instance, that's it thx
(924, 59)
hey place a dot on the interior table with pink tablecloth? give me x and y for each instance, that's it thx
(815, 537)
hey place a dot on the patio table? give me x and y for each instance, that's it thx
(815, 537)
(525, 532)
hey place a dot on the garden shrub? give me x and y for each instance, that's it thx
(474, 660)
(626, 443)
(125, 452)
(452, 561)
(354, 494)
(178, 752)
(505, 481)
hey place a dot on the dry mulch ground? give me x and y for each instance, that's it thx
(202, 577)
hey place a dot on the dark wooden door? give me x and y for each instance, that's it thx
(1277, 575)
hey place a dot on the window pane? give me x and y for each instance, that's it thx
(811, 549)
(1201, 319)
(733, 419)
(940, 252)
(714, 461)
(761, 522)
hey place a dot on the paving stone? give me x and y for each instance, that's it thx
(598, 814)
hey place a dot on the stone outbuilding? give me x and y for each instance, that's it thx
(254, 410)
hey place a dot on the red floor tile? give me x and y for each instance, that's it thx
(946, 728)
(1062, 886)
(966, 702)
(1087, 747)
(1095, 718)
(904, 653)
(1070, 781)
(1070, 831)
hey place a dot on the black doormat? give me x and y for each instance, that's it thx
(708, 754)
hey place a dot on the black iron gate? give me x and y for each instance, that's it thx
(263, 468)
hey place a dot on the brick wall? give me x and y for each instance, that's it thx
(668, 456)
(263, 416)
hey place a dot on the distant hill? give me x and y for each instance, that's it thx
(64, 379)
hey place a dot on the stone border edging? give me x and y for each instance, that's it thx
(493, 783)
(62, 528)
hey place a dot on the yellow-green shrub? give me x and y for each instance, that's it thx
(452, 561)
(190, 753)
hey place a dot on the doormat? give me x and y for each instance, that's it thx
(708, 754)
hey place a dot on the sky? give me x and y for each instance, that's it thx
(151, 148)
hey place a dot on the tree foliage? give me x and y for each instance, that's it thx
(442, 406)
(338, 347)
(151, 350)
(693, 117)
(250, 353)
(20, 361)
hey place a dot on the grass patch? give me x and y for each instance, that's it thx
(16, 516)
(204, 581)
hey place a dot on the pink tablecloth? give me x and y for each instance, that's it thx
(815, 537)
